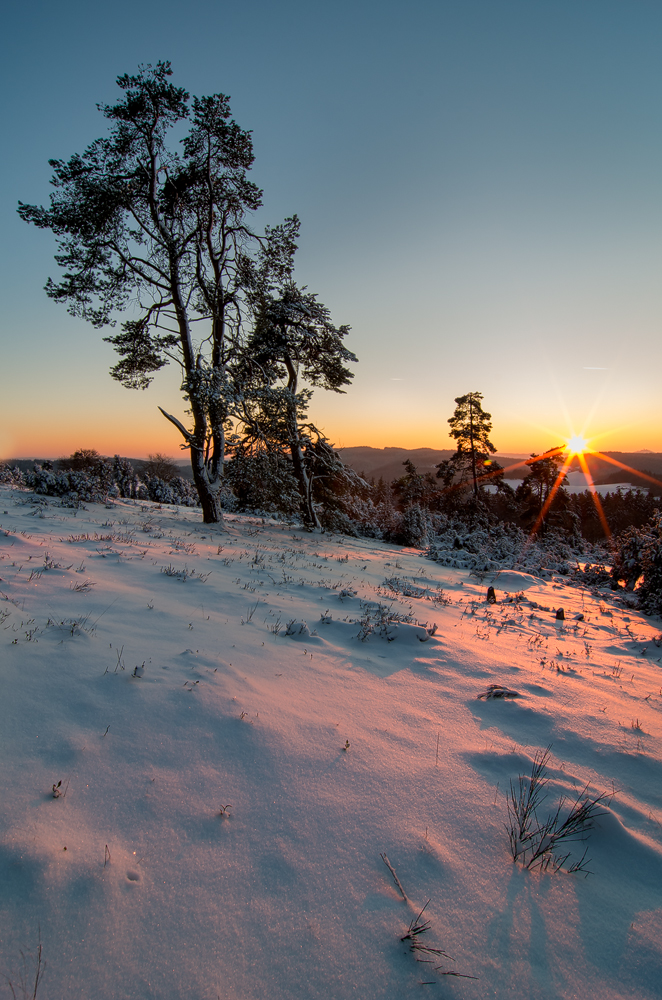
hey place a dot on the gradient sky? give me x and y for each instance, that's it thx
(480, 189)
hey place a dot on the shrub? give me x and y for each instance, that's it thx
(11, 477)
(83, 460)
(650, 592)
(96, 483)
(338, 521)
(174, 491)
(594, 575)
(628, 556)
(413, 528)
(637, 555)
(72, 486)
(125, 478)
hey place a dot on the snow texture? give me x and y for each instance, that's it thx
(251, 725)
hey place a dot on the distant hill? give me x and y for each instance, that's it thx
(386, 463)
(604, 472)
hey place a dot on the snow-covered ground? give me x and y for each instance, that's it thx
(240, 734)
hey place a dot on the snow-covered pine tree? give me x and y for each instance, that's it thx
(125, 478)
(294, 342)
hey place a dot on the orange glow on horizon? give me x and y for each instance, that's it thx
(137, 429)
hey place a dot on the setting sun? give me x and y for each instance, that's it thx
(577, 445)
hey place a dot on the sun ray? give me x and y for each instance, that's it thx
(627, 468)
(551, 432)
(594, 494)
(526, 462)
(550, 496)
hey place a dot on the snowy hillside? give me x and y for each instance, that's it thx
(249, 724)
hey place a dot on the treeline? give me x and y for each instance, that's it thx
(409, 510)
(87, 477)
(413, 507)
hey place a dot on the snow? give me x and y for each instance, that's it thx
(240, 738)
(513, 582)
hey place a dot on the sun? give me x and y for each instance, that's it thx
(577, 445)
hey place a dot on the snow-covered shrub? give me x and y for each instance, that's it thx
(594, 575)
(72, 485)
(489, 547)
(482, 548)
(338, 521)
(650, 592)
(375, 518)
(125, 478)
(413, 529)
(103, 471)
(11, 477)
(174, 491)
(637, 554)
(109, 479)
(628, 556)
(338, 492)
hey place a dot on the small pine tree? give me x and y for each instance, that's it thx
(410, 488)
(414, 526)
(125, 478)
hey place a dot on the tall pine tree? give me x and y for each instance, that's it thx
(156, 231)
(470, 427)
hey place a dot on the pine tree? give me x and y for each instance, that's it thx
(294, 341)
(160, 233)
(545, 474)
(470, 427)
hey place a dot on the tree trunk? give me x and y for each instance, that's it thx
(208, 492)
(208, 487)
(473, 449)
(310, 518)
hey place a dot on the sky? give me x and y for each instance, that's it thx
(480, 189)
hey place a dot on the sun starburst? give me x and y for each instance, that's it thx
(577, 444)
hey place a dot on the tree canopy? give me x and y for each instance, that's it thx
(158, 235)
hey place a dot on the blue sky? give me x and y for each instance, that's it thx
(480, 189)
